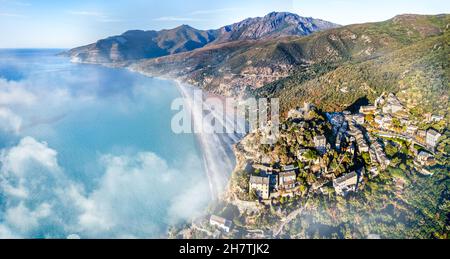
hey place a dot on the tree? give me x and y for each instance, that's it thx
(302, 188)
(390, 150)
(395, 161)
(311, 178)
(396, 123)
(366, 158)
(403, 167)
(311, 154)
(253, 195)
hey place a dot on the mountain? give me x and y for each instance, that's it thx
(333, 68)
(407, 54)
(274, 24)
(135, 45)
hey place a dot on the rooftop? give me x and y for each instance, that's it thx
(220, 220)
(424, 154)
(289, 168)
(433, 132)
(259, 180)
(346, 177)
(321, 137)
(288, 174)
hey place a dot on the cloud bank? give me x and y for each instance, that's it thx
(130, 200)
(132, 193)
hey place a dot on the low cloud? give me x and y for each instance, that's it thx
(9, 121)
(29, 179)
(18, 159)
(136, 196)
(189, 203)
(24, 219)
(37, 100)
(14, 93)
(135, 193)
(6, 232)
(137, 187)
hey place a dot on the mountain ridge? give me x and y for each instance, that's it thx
(139, 44)
(273, 25)
(335, 66)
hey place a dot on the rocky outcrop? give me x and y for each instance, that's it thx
(273, 25)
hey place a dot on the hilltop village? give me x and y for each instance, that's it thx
(324, 154)
(318, 152)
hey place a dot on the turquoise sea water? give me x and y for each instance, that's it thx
(88, 151)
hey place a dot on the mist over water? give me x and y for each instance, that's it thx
(217, 147)
(88, 151)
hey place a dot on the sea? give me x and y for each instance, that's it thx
(88, 151)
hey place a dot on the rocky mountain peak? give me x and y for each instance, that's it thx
(273, 25)
(138, 44)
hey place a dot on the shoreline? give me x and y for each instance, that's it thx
(218, 177)
(219, 159)
(217, 149)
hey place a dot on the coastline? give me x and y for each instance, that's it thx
(217, 151)
(214, 147)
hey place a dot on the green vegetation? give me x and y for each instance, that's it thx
(407, 55)
(399, 203)
(418, 208)
(240, 180)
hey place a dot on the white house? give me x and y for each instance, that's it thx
(261, 186)
(393, 105)
(221, 223)
(346, 183)
(320, 142)
(436, 118)
(412, 129)
(287, 181)
(359, 118)
(432, 137)
(424, 158)
(370, 109)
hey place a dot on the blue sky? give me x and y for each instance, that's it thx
(70, 23)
